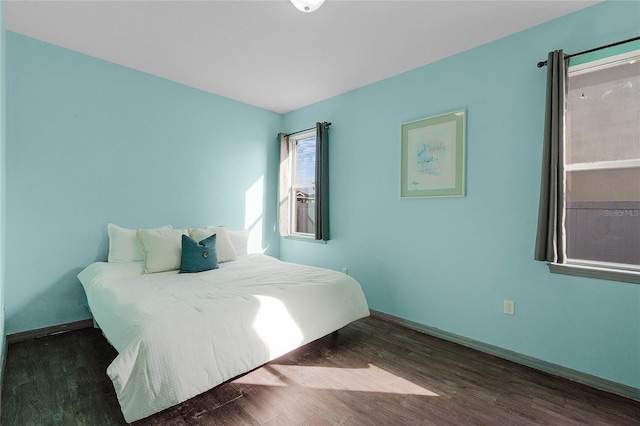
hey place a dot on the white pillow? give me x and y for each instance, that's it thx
(240, 241)
(224, 247)
(124, 245)
(162, 249)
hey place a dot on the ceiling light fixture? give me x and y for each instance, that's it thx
(307, 5)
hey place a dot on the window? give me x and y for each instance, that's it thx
(602, 162)
(303, 184)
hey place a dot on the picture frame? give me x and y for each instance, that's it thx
(433, 156)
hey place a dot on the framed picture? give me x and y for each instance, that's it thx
(433, 157)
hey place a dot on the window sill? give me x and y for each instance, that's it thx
(305, 239)
(595, 272)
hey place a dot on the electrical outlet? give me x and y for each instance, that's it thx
(509, 307)
(345, 271)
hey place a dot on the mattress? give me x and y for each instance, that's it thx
(178, 335)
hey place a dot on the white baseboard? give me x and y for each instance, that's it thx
(538, 364)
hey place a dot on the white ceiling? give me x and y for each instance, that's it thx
(267, 53)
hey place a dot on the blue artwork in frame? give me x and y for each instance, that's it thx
(433, 157)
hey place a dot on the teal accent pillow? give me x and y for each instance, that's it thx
(198, 256)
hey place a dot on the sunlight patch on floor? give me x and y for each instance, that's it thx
(369, 379)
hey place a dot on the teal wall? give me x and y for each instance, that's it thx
(3, 168)
(450, 262)
(90, 142)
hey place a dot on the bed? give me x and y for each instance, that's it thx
(178, 334)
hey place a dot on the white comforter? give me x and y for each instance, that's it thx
(179, 335)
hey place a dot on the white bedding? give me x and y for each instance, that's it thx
(178, 335)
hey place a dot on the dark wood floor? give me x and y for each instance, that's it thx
(373, 373)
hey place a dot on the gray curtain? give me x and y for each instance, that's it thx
(550, 243)
(322, 181)
(284, 186)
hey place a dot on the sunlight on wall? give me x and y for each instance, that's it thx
(276, 328)
(253, 212)
(369, 379)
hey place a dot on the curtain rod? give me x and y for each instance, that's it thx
(306, 130)
(544, 63)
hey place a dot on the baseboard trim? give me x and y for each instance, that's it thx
(538, 364)
(3, 362)
(48, 331)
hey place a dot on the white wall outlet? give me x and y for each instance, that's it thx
(345, 271)
(509, 307)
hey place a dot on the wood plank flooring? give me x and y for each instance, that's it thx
(372, 373)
